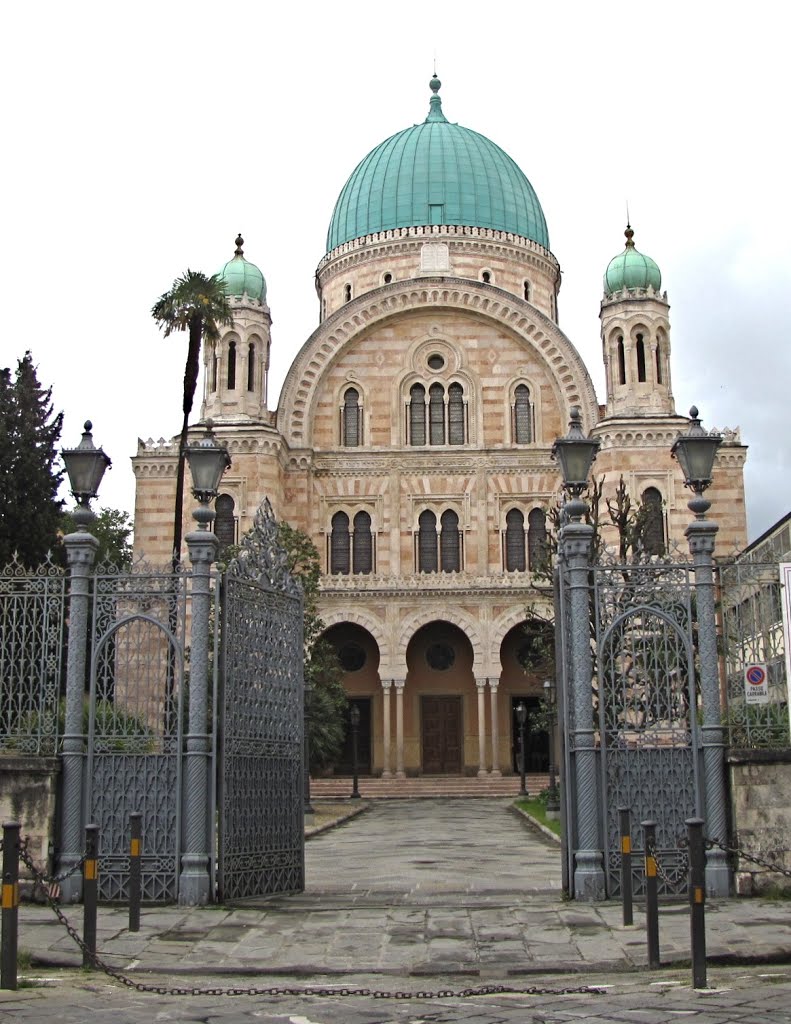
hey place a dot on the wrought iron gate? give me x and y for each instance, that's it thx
(260, 722)
(645, 733)
(135, 726)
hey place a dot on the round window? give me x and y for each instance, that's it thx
(440, 656)
(351, 657)
(436, 361)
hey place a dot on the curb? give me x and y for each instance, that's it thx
(536, 824)
(353, 812)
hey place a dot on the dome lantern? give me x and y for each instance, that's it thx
(630, 270)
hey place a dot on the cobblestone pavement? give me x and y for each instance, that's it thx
(414, 895)
(734, 996)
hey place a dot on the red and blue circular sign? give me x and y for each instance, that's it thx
(755, 675)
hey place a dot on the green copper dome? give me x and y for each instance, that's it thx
(436, 173)
(240, 277)
(630, 269)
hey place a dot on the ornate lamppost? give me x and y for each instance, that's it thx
(695, 451)
(521, 719)
(207, 460)
(354, 719)
(575, 454)
(553, 803)
(85, 466)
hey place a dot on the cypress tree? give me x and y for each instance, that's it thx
(30, 511)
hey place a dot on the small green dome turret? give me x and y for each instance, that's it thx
(436, 173)
(240, 277)
(631, 270)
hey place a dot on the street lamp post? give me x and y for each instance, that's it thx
(207, 460)
(354, 718)
(521, 718)
(85, 466)
(575, 453)
(695, 451)
(553, 804)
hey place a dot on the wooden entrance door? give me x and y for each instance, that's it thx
(441, 735)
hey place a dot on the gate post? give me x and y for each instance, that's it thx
(80, 554)
(701, 534)
(194, 887)
(575, 539)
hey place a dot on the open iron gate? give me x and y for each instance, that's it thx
(260, 722)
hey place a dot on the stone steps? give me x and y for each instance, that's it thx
(426, 786)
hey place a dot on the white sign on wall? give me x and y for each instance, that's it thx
(756, 684)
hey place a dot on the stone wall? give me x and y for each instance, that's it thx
(761, 809)
(28, 792)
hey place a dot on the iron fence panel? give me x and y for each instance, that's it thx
(32, 640)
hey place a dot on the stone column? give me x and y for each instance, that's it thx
(495, 729)
(701, 534)
(194, 878)
(386, 688)
(399, 688)
(588, 862)
(481, 684)
(80, 554)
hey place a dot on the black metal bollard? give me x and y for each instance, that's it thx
(90, 893)
(135, 853)
(697, 900)
(651, 894)
(625, 816)
(10, 905)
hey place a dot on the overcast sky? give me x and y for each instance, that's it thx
(140, 138)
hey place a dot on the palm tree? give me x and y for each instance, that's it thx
(197, 304)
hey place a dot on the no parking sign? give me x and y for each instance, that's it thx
(756, 685)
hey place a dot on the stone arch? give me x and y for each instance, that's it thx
(368, 622)
(412, 623)
(574, 382)
(502, 626)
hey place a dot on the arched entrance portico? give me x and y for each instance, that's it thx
(440, 712)
(358, 654)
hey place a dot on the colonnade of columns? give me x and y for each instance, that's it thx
(487, 767)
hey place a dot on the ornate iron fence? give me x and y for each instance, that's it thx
(32, 639)
(752, 636)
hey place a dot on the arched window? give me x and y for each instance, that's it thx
(523, 415)
(486, 277)
(388, 278)
(231, 365)
(427, 542)
(621, 362)
(224, 521)
(450, 542)
(640, 358)
(455, 414)
(251, 367)
(417, 414)
(362, 544)
(515, 541)
(537, 544)
(214, 362)
(339, 543)
(436, 414)
(653, 522)
(351, 418)
(658, 365)
(526, 290)
(347, 293)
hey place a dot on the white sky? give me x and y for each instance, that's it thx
(138, 139)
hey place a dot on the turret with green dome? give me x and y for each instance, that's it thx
(241, 277)
(631, 270)
(436, 173)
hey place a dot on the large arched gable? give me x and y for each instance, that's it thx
(374, 308)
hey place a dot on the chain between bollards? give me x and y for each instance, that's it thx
(90, 895)
(135, 854)
(625, 816)
(10, 905)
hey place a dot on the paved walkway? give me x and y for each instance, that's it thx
(448, 888)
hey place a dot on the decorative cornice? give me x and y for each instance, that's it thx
(454, 295)
(433, 585)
